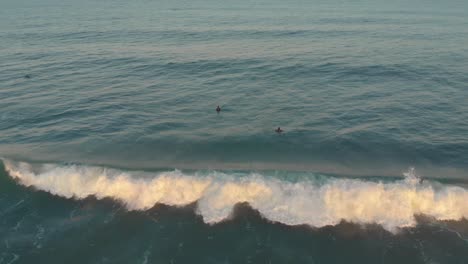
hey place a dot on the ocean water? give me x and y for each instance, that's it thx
(112, 151)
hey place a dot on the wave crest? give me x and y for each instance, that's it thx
(390, 204)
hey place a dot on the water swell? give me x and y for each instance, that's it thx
(305, 201)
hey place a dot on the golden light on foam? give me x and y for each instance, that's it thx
(392, 205)
(232, 193)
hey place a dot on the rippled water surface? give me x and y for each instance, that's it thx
(363, 90)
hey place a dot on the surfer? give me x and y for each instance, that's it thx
(218, 109)
(278, 130)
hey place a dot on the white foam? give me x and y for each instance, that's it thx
(391, 205)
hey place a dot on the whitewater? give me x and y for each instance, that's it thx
(318, 203)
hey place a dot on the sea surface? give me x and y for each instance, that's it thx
(112, 151)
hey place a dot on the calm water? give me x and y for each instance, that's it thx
(113, 151)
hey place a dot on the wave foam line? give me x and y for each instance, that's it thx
(391, 205)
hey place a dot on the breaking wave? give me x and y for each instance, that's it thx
(307, 201)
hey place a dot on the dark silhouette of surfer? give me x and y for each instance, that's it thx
(278, 130)
(218, 109)
(27, 76)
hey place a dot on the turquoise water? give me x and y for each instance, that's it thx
(113, 151)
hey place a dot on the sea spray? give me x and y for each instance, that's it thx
(389, 204)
